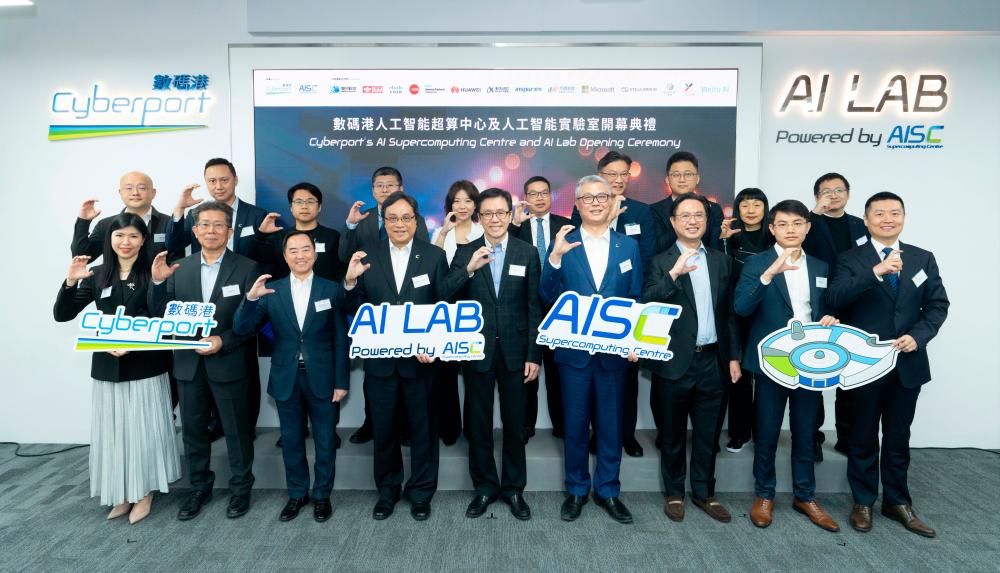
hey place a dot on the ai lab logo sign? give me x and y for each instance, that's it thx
(101, 332)
(817, 357)
(173, 103)
(611, 325)
(443, 331)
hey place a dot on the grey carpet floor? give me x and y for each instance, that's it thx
(49, 523)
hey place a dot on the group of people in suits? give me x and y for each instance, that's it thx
(735, 279)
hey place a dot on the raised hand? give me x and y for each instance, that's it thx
(78, 270)
(727, 230)
(161, 270)
(893, 263)
(355, 215)
(681, 266)
(270, 224)
(449, 223)
(259, 289)
(560, 246)
(88, 211)
(186, 200)
(781, 264)
(520, 212)
(823, 204)
(616, 209)
(355, 268)
(480, 259)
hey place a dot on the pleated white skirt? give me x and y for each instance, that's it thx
(133, 450)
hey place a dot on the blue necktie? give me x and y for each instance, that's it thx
(891, 278)
(496, 266)
(540, 240)
(382, 235)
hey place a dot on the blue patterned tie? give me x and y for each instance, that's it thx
(891, 278)
(540, 240)
(497, 266)
(382, 234)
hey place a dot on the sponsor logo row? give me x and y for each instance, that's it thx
(670, 89)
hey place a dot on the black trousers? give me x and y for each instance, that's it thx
(887, 402)
(740, 402)
(293, 413)
(231, 399)
(696, 395)
(842, 417)
(553, 394)
(390, 398)
(630, 406)
(479, 429)
(446, 410)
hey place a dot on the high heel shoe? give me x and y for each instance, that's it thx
(141, 510)
(119, 510)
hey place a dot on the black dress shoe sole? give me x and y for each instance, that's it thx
(320, 518)
(284, 517)
(188, 517)
(861, 529)
(520, 516)
(569, 517)
(420, 516)
(624, 520)
(237, 514)
(379, 515)
(479, 512)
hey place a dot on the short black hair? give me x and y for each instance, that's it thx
(748, 194)
(493, 193)
(536, 179)
(397, 196)
(220, 161)
(295, 233)
(690, 197)
(461, 185)
(788, 207)
(830, 177)
(212, 206)
(682, 156)
(308, 188)
(612, 156)
(386, 170)
(884, 196)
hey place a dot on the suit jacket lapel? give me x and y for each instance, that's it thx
(314, 295)
(714, 277)
(872, 258)
(684, 281)
(225, 270)
(412, 266)
(612, 248)
(815, 293)
(906, 275)
(827, 235)
(383, 260)
(284, 294)
(581, 254)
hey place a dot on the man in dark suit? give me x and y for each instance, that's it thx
(593, 385)
(833, 232)
(682, 179)
(310, 370)
(634, 219)
(360, 233)
(219, 276)
(776, 286)
(500, 272)
(705, 344)
(893, 290)
(536, 224)
(396, 271)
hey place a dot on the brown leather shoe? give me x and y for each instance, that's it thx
(674, 507)
(760, 513)
(714, 509)
(861, 518)
(816, 514)
(905, 515)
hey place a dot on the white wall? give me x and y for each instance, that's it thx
(68, 44)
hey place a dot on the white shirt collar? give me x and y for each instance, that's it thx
(218, 261)
(404, 249)
(302, 282)
(879, 246)
(605, 236)
(683, 249)
(544, 217)
(503, 242)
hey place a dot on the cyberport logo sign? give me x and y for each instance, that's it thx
(98, 111)
(101, 332)
(444, 331)
(609, 325)
(817, 357)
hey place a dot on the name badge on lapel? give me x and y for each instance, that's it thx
(322, 305)
(246, 231)
(919, 278)
(517, 270)
(107, 291)
(159, 237)
(633, 229)
(625, 266)
(861, 240)
(231, 290)
(320, 247)
(820, 282)
(422, 280)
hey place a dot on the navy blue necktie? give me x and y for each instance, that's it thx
(382, 234)
(540, 241)
(891, 278)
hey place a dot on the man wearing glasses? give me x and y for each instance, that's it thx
(536, 224)
(834, 231)
(593, 385)
(682, 179)
(501, 272)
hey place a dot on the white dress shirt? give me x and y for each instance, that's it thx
(598, 249)
(301, 288)
(400, 257)
(209, 275)
(798, 287)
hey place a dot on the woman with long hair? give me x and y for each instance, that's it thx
(133, 451)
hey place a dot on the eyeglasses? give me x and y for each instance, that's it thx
(139, 188)
(685, 217)
(683, 174)
(213, 226)
(385, 186)
(837, 191)
(494, 214)
(222, 180)
(534, 194)
(305, 202)
(797, 225)
(405, 219)
(600, 198)
(613, 175)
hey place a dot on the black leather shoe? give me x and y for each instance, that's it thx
(615, 508)
(193, 504)
(818, 451)
(278, 443)
(572, 507)
(384, 508)
(420, 510)
(291, 509)
(362, 436)
(322, 510)
(446, 440)
(518, 507)
(239, 505)
(528, 434)
(337, 440)
(478, 505)
(632, 447)
(841, 446)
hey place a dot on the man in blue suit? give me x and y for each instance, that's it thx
(609, 264)
(776, 286)
(309, 368)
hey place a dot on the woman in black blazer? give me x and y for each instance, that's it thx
(744, 236)
(133, 451)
